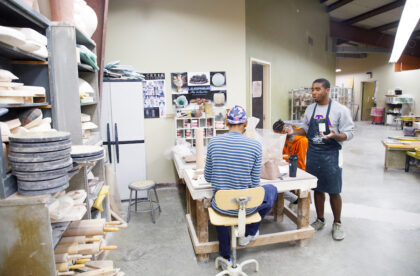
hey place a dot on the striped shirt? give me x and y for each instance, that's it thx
(233, 162)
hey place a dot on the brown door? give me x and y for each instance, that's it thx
(258, 102)
(367, 99)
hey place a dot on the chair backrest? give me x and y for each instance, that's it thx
(225, 199)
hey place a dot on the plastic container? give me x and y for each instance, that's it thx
(377, 119)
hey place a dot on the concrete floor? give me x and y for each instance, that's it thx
(381, 216)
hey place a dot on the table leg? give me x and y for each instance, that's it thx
(407, 163)
(202, 227)
(303, 212)
(188, 199)
(279, 207)
(386, 158)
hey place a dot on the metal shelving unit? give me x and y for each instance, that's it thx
(59, 75)
(15, 53)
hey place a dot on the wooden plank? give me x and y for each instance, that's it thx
(266, 239)
(279, 207)
(303, 212)
(289, 213)
(202, 226)
(29, 62)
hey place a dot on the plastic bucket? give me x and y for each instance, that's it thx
(377, 119)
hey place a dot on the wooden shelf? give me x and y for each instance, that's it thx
(40, 105)
(15, 53)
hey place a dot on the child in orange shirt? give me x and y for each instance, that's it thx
(294, 145)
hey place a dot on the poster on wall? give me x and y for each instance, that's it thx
(256, 89)
(179, 83)
(154, 95)
(192, 89)
(218, 81)
(198, 78)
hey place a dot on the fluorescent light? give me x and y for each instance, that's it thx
(338, 70)
(409, 18)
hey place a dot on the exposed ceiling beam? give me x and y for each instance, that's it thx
(337, 5)
(386, 27)
(369, 37)
(415, 33)
(374, 12)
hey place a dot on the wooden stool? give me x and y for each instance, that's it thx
(148, 186)
(411, 155)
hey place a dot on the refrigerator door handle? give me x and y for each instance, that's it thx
(117, 146)
(108, 141)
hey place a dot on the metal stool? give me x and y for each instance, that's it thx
(144, 185)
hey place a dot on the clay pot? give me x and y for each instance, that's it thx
(62, 10)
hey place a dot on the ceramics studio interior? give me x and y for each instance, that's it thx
(197, 137)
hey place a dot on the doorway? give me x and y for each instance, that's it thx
(260, 88)
(368, 94)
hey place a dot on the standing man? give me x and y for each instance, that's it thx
(327, 124)
(234, 162)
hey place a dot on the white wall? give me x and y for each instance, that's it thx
(175, 36)
(277, 31)
(384, 75)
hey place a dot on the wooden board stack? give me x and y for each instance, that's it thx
(82, 242)
(18, 93)
(40, 161)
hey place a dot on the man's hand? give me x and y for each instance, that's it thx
(334, 135)
(289, 130)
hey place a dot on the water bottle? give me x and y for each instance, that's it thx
(293, 160)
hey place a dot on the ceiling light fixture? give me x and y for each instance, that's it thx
(338, 70)
(409, 18)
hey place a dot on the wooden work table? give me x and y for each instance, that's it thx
(395, 153)
(199, 194)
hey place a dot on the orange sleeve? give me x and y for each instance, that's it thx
(300, 148)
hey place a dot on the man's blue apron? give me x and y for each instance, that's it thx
(322, 156)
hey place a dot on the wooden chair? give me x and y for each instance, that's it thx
(236, 200)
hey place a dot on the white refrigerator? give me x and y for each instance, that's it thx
(122, 129)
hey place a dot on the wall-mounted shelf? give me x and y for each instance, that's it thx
(207, 123)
